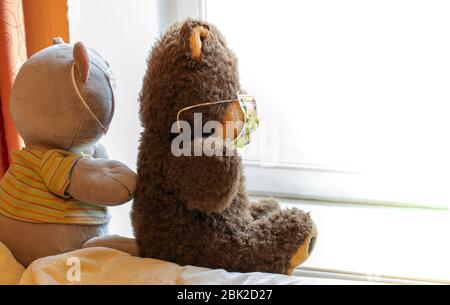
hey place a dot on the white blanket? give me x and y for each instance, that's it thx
(109, 266)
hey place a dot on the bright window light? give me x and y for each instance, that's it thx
(353, 95)
(349, 85)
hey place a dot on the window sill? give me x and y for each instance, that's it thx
(377, 244)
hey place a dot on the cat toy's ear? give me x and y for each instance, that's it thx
(58, 40)
(81, 60)
(198, 35)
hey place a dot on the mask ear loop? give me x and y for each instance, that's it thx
(113, 94)
(84, 102)
(198, 105)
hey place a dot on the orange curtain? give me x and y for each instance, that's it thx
(13, 53)
(43, 20)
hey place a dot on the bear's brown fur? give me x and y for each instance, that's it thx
(195, 210)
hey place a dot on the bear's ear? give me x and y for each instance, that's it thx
(198, 35)
(58, 40)
(81, 60)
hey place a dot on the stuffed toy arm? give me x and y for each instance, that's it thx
(205, 183)
(101, 182)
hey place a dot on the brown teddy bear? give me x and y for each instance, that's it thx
(194, 209)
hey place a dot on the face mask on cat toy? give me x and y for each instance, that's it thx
(251, 121)
(108, 77)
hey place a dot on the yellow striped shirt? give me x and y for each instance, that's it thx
(34, 190)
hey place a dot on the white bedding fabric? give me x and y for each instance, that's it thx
(109, 266)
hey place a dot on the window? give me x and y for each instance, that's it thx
(353, 102)
(353, 95)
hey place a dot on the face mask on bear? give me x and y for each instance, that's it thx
(108, 77)
(251, 121)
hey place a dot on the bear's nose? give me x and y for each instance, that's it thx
(312, 243)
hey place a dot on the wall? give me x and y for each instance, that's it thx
(123, 33)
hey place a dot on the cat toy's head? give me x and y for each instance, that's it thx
(63, 98)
